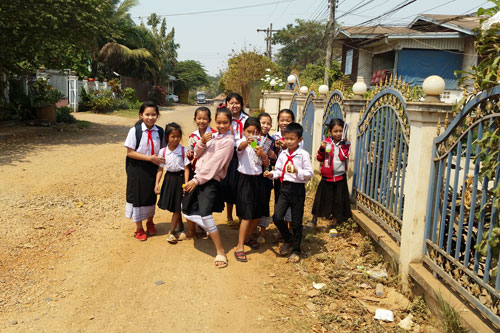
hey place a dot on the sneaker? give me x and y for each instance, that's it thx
(151, 229)
(140, 235)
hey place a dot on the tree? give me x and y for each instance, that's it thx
(53, 33)
(245, 67)
(303, 43)
(190, 75)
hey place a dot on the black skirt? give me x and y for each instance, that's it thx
(251, 201)
(141, 178)
(171, 191)
(332, 200)
(204, 200)
(229, 185)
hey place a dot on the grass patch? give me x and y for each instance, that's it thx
(82, 124)
(450, 320)
(130, 113)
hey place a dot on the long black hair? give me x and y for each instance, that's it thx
(335, 122)
(147, 104)
(226, 112)
(238, 97)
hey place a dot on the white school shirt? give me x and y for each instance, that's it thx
(236, 129)
(173, 159)
(196, 136)
(277, 136)
(301, 161)
(144, 148)
(247, 160)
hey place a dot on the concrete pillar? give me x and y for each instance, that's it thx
(301, 100)
(285, 99)
(423, 120)
(352, 108)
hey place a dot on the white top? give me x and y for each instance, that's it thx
(277, 136)
(248, 161)
(195, 137)
(173, 159)
(144, 146)
(300, 160)
(237, 130)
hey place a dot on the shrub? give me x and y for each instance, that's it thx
(63, 115)
(157, 95)
(128, 94)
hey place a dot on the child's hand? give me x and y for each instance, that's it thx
(190, 186)
(260, 152)
(323, 144)
(279, 143)
(271, 154)
(157, 189)
(190, 154)
(250, 139)
(207, 137)
(156, 159)
(268, 174)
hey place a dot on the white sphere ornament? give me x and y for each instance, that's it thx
(359, 88)
(323, 89)
(433, 86)
(291, 79)
(272, 83)
(304, 90)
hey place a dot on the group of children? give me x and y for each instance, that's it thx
(235, 163)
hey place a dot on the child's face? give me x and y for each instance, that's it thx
(235, 107)
(284, 120)
(292, 141)
(202, 119)
(265, 125)
(336, 133)
(223, 123)
(149, 116)
(250, 130)
(174, 138)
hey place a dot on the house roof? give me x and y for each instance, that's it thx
(422, 24)
(220, 97)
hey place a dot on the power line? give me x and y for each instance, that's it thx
(222, 9)
(390, 12)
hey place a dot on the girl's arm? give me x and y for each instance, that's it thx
(344, 151)
(186, 174)
(219, 159)
(157, 181)
(149, 158)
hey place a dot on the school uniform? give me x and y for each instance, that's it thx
(332, 196)
(213, 160)
(171, 188)
(250, 200)
(141, 175)
(230, 182)
(194, 137)
(268, 145)
(292, 194)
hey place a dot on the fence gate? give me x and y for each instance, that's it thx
(293, 104)
(308, 122)
(381, 158)
(462, 221)
(334, 109)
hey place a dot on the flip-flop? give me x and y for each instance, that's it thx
(241, 256)
(222, 259)
(253, 244)
(293, 258)
(171, 239)
(285, 249)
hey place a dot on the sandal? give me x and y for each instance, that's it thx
(171, 239)
(241, 256)
(150, 229)
(293, 258)
(285, 249)
(252, 243)
(181, 236)
(222, 260)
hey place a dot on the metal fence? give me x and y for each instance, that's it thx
(293, 104)
(334, 109)
(461, 218)
(308, 122)
(383, 136)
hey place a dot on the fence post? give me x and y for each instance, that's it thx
(73, 91)
(423, 121)
(352, 108)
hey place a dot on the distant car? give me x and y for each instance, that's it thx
(172, 98)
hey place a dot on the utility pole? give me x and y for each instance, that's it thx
(269, 35)
(330, 34)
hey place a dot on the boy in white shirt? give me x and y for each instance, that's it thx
(294, 169)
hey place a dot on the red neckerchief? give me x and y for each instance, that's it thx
(150, 140)
(289, 159)
(239, 126)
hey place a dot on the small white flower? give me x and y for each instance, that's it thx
(268, 69)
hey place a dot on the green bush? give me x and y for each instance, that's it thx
(63, 115)
(128, 94)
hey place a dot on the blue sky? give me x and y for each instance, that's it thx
(210, 37)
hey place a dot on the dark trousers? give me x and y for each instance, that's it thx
(291, 195)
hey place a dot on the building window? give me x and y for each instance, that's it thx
(348, 62)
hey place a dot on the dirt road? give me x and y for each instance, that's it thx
(68, 259)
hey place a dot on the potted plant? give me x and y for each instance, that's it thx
(44, 98)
